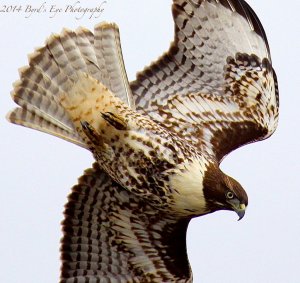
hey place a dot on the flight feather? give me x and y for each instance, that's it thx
(215, 86)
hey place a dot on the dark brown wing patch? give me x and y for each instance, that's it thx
(233, 135)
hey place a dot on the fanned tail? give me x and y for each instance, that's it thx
(55, 68)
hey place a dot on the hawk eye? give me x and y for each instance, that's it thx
(230, 195)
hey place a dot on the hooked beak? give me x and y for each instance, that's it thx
(239, 208)
(241, 211)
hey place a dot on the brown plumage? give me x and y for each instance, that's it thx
(158, 141)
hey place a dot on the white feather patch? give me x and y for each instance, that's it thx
(188, 188)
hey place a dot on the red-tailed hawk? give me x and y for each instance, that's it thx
(158, 141)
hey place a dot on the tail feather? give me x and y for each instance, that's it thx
(23, 117)
(56, 67)
(48, 108)
(72, 51)
(52, 74)
(107, 36)
(59, 54)
(85, 42)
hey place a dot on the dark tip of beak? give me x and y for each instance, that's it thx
(241, 214)
(238, 207)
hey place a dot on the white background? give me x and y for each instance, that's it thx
(37, 170)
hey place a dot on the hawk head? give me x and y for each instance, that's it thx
(222, 192)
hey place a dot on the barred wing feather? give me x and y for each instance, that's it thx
(110, 235)
(215, 86)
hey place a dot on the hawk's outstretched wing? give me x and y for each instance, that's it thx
(111, 235)
(215, 86)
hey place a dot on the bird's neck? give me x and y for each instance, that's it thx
(187, 186)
